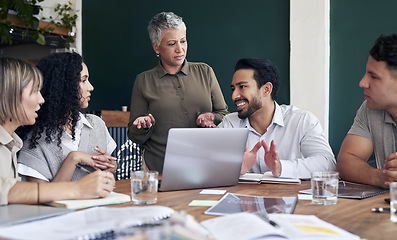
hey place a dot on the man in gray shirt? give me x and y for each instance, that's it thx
(374, 127)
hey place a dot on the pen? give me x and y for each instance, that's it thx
(266, 218)
(381, 210)
(83, 168)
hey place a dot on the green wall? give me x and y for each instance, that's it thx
(116, 46)
(355, 25)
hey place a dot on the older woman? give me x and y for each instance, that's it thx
(176, 93)
(20, 84)
(65, 144)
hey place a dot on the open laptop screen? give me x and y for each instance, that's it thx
(203, 157)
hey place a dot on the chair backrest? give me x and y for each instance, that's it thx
(128, 153)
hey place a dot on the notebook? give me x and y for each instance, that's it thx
(112, 198)
(92, 223)
(355, 190)
(267, 177)
(19, 213)
(203, 157)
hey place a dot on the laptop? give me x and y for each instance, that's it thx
(20, 213)
(203, 158)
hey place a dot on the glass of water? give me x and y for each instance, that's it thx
(393, 201)
(144, 186)
(325, 188)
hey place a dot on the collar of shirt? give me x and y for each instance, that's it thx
(13, 142)
(389, 119)
(67, 138)
(162, 72)
(278, 119)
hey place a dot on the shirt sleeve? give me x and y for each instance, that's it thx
(316, 153)
(36, 159)
(139, 107)
(360, 124)
(219, 106)
(5, 186)
(30, 172)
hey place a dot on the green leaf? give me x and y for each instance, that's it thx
(40, 39)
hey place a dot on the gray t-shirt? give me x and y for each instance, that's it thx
(378, 126)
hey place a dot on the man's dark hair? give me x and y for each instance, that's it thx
(264, 71)
(385, 49)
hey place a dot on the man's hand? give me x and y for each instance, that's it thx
(144, 122)
(390, 168)
(206, 120)
(250, 157)
(271, 158)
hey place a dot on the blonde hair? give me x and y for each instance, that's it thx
(15, 75)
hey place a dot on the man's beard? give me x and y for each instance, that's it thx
(252, 108)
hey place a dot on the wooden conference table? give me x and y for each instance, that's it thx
(352, 215)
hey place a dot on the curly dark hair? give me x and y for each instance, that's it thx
(61, 92)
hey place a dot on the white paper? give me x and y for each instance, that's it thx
(213, 191)
(241, 226)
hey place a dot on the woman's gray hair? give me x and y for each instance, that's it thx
(163, 21)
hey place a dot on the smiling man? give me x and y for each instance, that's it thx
(288, 141)
(374, 128)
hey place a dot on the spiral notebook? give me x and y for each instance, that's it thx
(89, 224)
(355, 190)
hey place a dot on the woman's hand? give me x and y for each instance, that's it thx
(144, 122)
(94, 185)
(206, 120)
(104, 161)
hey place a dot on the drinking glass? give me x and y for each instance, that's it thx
(393, 201)
(325, 188)
(144, 186)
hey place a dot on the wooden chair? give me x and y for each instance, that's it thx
(128, 153)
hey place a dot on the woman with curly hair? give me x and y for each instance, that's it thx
(65, 144)
(20, 84)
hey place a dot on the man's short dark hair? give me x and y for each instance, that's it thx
(265, 71)
(385, 49)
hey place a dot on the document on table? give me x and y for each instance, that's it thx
(97, 220)
(248, 226)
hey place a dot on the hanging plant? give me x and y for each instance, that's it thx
(26, 11)
(66, 18)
